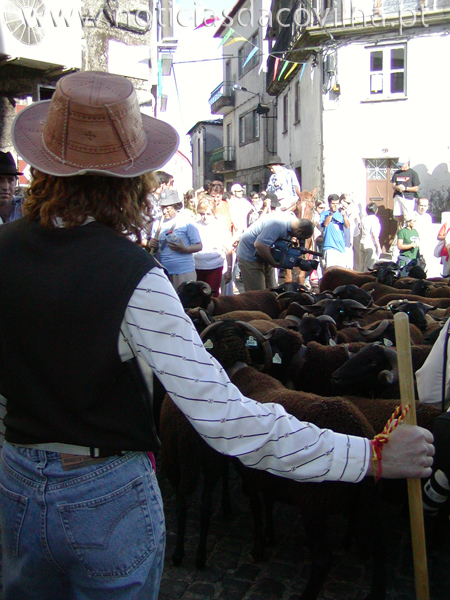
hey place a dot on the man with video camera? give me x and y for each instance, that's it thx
(333, 222)
(254, 252)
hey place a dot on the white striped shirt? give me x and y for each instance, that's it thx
(260, 435)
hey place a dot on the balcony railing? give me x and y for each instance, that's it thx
(223, 153)
(221, 100)
(223, 159)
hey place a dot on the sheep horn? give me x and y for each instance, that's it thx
(347, 350)
(209, 329)
(339, 289)
(372, 334)
(390, 376)
(205, 288)
(205, 316)
(396, 303)
(288, 294)
(314, 308)
(267, 349)
(326, 318)
(354, 304)
(321, 303)
(293, 318)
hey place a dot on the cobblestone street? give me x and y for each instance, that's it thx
(231, 575)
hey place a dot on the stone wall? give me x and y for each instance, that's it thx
(131, 22)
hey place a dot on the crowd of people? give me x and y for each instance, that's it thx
(85, 313)
(237, 233)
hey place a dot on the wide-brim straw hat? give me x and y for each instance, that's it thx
(92, 124)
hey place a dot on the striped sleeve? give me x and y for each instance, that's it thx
(263, 436)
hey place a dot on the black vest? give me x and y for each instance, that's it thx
(63, 295)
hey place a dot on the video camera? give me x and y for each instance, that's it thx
(289, 255)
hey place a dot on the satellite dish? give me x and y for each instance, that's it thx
(21, 18)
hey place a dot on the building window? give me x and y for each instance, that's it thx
(250, 47)
(199, 161)
(249, 127)
(297, 102)
(285, 113)
(377, 169)
(388, 72)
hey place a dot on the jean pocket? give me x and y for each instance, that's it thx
(111, 535)
(13, 507)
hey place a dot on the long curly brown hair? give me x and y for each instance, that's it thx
(116, 202)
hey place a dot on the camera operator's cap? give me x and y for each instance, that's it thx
(8, 164)
(171, 197)
(93, 125)
(275, 160)
(403, 160)
(237, 187)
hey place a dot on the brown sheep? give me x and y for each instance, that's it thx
(336, 276)
(439, 302)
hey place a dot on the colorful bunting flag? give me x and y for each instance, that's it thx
(251, 55)
(226, 36)
(275, 68)
(236, 39)
(283, 69)
(160, 81)
(290, 70)
(301, 72)
(207, 22)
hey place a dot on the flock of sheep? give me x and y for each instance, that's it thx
(329, 358)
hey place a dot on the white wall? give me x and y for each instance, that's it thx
(250, 157)
(301, 145)
(416, 126)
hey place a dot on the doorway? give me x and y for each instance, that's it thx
(379, 190)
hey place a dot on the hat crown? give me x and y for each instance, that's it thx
(8, 164)
(275, 160)
(94, 122)
(171, 197)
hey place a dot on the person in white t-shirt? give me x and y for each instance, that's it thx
(370, 237)
(424, 227)
(216, 242)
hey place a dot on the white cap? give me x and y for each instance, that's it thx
(403, 160)
(236, 187)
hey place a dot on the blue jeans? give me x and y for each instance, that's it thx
(92, 533)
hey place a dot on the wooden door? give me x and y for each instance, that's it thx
(379, 190)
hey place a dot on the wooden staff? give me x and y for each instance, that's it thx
(405, 371)
(158, 231)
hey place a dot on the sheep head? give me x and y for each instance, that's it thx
(231, 342)
(195, 294)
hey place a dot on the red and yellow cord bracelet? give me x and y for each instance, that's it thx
(382, 438)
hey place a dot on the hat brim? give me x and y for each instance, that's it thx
(28, 127)
(5, 173)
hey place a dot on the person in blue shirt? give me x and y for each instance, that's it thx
(254, 254)
(175, 239)
(333, 222)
